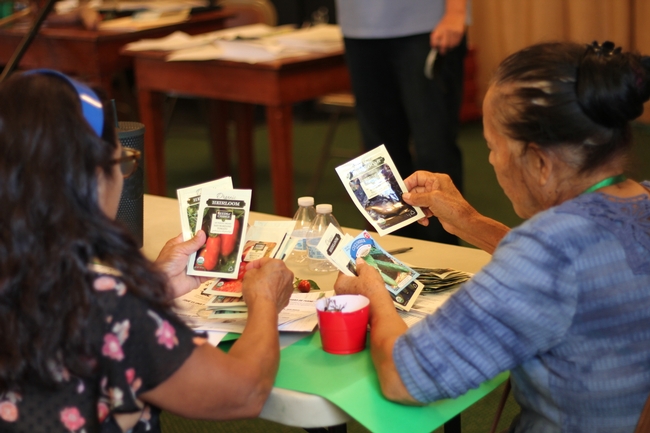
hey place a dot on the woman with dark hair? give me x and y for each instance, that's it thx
(88, 341)
(564, 304)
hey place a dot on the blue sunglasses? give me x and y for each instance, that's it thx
(91, 105)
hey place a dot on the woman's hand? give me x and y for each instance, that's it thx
(451, 28)
(267, 279)
(172, 261)
(368, 282)
(437, 195)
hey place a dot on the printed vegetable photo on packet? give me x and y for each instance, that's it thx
(224, 217)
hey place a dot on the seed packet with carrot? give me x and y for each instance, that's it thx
(188, 200)
(223, 216)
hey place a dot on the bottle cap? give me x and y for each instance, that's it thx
(305, 201)
(324, 208)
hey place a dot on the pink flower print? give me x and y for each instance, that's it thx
(121, 330)
(104, 283)
(102, 411)
(8, 411)
(112, 348)
(116, 397)
(72, 419)
(166, 335)
(130, 375)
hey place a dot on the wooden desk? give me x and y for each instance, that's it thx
(276, 84)
(91, 55)
(288, 404)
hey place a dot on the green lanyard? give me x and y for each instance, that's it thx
(613, 180)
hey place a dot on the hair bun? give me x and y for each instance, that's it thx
(612, 86)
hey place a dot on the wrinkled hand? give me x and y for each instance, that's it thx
(172, 261)
(268, 279)
(448, 33)
(437, 195)
(368, 282)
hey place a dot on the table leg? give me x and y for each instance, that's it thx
(219, 115)
(151, 115)
(279, 120)
(453, 425)
(244, 121)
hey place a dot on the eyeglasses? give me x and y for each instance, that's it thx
(128, 161)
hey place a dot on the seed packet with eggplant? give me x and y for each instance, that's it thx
(223, 216)
(396, 275)
(376, 187)
(188, 200)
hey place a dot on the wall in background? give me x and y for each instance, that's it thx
(502, 27)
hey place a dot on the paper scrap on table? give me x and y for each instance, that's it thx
(131, 24)
(181, 40)
(320, 38)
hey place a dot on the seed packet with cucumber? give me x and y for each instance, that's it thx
(396, 275)
(223, 216)
(188, 200)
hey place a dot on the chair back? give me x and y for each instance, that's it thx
(250, 12)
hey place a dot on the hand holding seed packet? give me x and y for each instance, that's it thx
(342, 250)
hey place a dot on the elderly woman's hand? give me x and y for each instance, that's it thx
(437, 195)
(368, 283)
(172, 261)
(268, 279)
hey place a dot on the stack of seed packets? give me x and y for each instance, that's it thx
(342, 250)
(263, 239)
(441, 279)
(222, 214)
(375, 186)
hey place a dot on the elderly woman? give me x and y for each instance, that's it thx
(564, 304)
(88, 340)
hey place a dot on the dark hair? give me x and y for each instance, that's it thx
(52, 228)
(565, 93)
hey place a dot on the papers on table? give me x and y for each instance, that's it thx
(298, 316)
(253, 43)
(146, 20)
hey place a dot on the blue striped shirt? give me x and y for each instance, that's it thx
(565, 305)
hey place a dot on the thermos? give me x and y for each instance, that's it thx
(130, 211)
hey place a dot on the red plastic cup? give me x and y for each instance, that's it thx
(343, 332)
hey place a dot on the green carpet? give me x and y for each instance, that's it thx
(188, 161)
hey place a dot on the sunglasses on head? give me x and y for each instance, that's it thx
(128, 161)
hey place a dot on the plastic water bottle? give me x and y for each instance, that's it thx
(324, 217)
(304, 216)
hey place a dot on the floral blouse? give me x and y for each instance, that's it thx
(140, 349)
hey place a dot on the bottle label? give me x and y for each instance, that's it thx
(301, 245)
(300, 235)
(312, 251)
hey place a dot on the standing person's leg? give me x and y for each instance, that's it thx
(382, 119)
(433, 108)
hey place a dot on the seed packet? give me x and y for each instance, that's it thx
(342, 251)
(188, 200)
(223, 216)
(375, 186)
(396, 275)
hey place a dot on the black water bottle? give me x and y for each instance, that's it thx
(130, 211)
